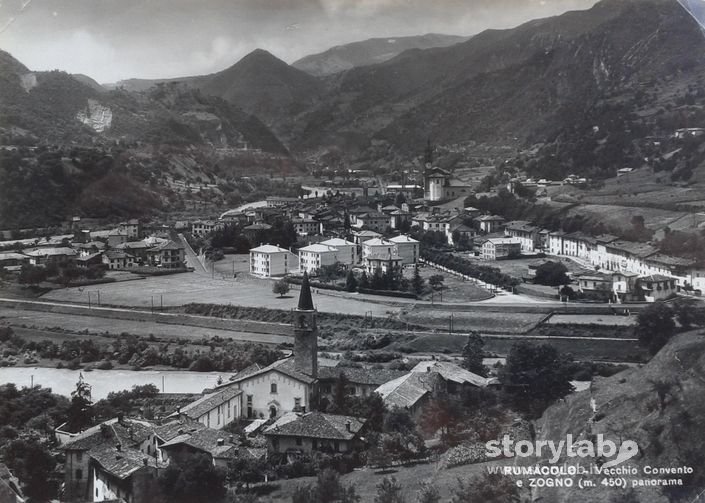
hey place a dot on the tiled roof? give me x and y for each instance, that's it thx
(360, 376)
(284, 366)
(316, 425)
(209, 402)
(337, 242)
(206, 440)
(377, 242)
(130, 433)
(117, 255)
(47, 252)
(13, 256)
(451, 372)
(124, 462)
(318, 248)
(656, 278)
(268, 249)
(167, 245)
(660, 258)
(408, 389)
(171, 430)
(403, 239)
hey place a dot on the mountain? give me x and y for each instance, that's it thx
(514, 87)
(369, 52)
(78, 149)
(85, 79)
(266, 87)
(658, 406)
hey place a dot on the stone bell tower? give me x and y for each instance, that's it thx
(305, 333)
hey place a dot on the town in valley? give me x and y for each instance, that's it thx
(420, 269)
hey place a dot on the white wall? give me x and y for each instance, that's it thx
(262, 398)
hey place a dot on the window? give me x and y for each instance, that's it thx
(79, 456)
(79, 474)
(273, 387)
(297, 403)
(299, 441)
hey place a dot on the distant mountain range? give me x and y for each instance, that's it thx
(369, 52)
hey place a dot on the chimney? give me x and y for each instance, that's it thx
(348, 426)
(118, 447)
(232, 439)
(181, 431)
(221, 442)
(145, 461)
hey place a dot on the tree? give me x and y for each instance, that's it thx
(193, 479)
(689, 313)
(551, 274)
(417, 282)
(33, 464)
(350, 282)
(428, 494)
(436, 281)
(389, 491)
(327, 489)
(80, 413)
(399, 199)
(281, 287)
(536, 375)
(473, 354)
(32, 275)
(364, 281)
(655, 326)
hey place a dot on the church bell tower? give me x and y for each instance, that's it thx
(306, 333)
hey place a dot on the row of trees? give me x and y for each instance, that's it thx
(491, 275)
(659, 322)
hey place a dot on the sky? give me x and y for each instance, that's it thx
(111, 40)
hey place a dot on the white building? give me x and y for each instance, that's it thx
(313, 257)
(499, 248)
(407, 248)
(269, 260)
(202, 228)
(307, 226)
(379, 247)
(214, 410)
(347, 251)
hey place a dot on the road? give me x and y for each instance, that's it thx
(191, 257)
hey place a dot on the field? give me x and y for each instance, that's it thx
(481, 321)
(588, 319)
(455, 290)
(95, 324)
(180, 289)
(410, 478)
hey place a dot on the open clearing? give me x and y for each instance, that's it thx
(592, 319)
(95, 324)
(480, 321)
(180, 289)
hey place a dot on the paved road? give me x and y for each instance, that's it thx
(192, 258)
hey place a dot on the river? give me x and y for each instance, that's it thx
(63, 381)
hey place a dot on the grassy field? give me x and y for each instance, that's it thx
(410, 478)
(591, 319)
(180, 289)
(480, 321)
(455, 290)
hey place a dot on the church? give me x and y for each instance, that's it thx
(289, 384)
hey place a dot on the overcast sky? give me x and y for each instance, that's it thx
(111, 40)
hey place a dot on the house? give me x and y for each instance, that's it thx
(46, 256)
(307, 226)
(296, 433)
(347, 251)
(270, 261)
(89, 248)
(115, 459)
(501, 248)
(220, 448)
(87, 261)
(313, 257)
(13, 259)
(214, 410)
(382, 262)
(167, 255)
(410, 392)
(373, 220)
(115, 238)
(132, 229)
(657, 287)
(454, 378)
(118, 259)
(379, 247)
(399, 219)
(458, 232)
(289, 384)
(525, 233)
(489, 223)
(279, 201)
(407, 248)
(362, 236)
(201, 228)
(137, 249)
(254, 231)
(435, 179)
(359, 381)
